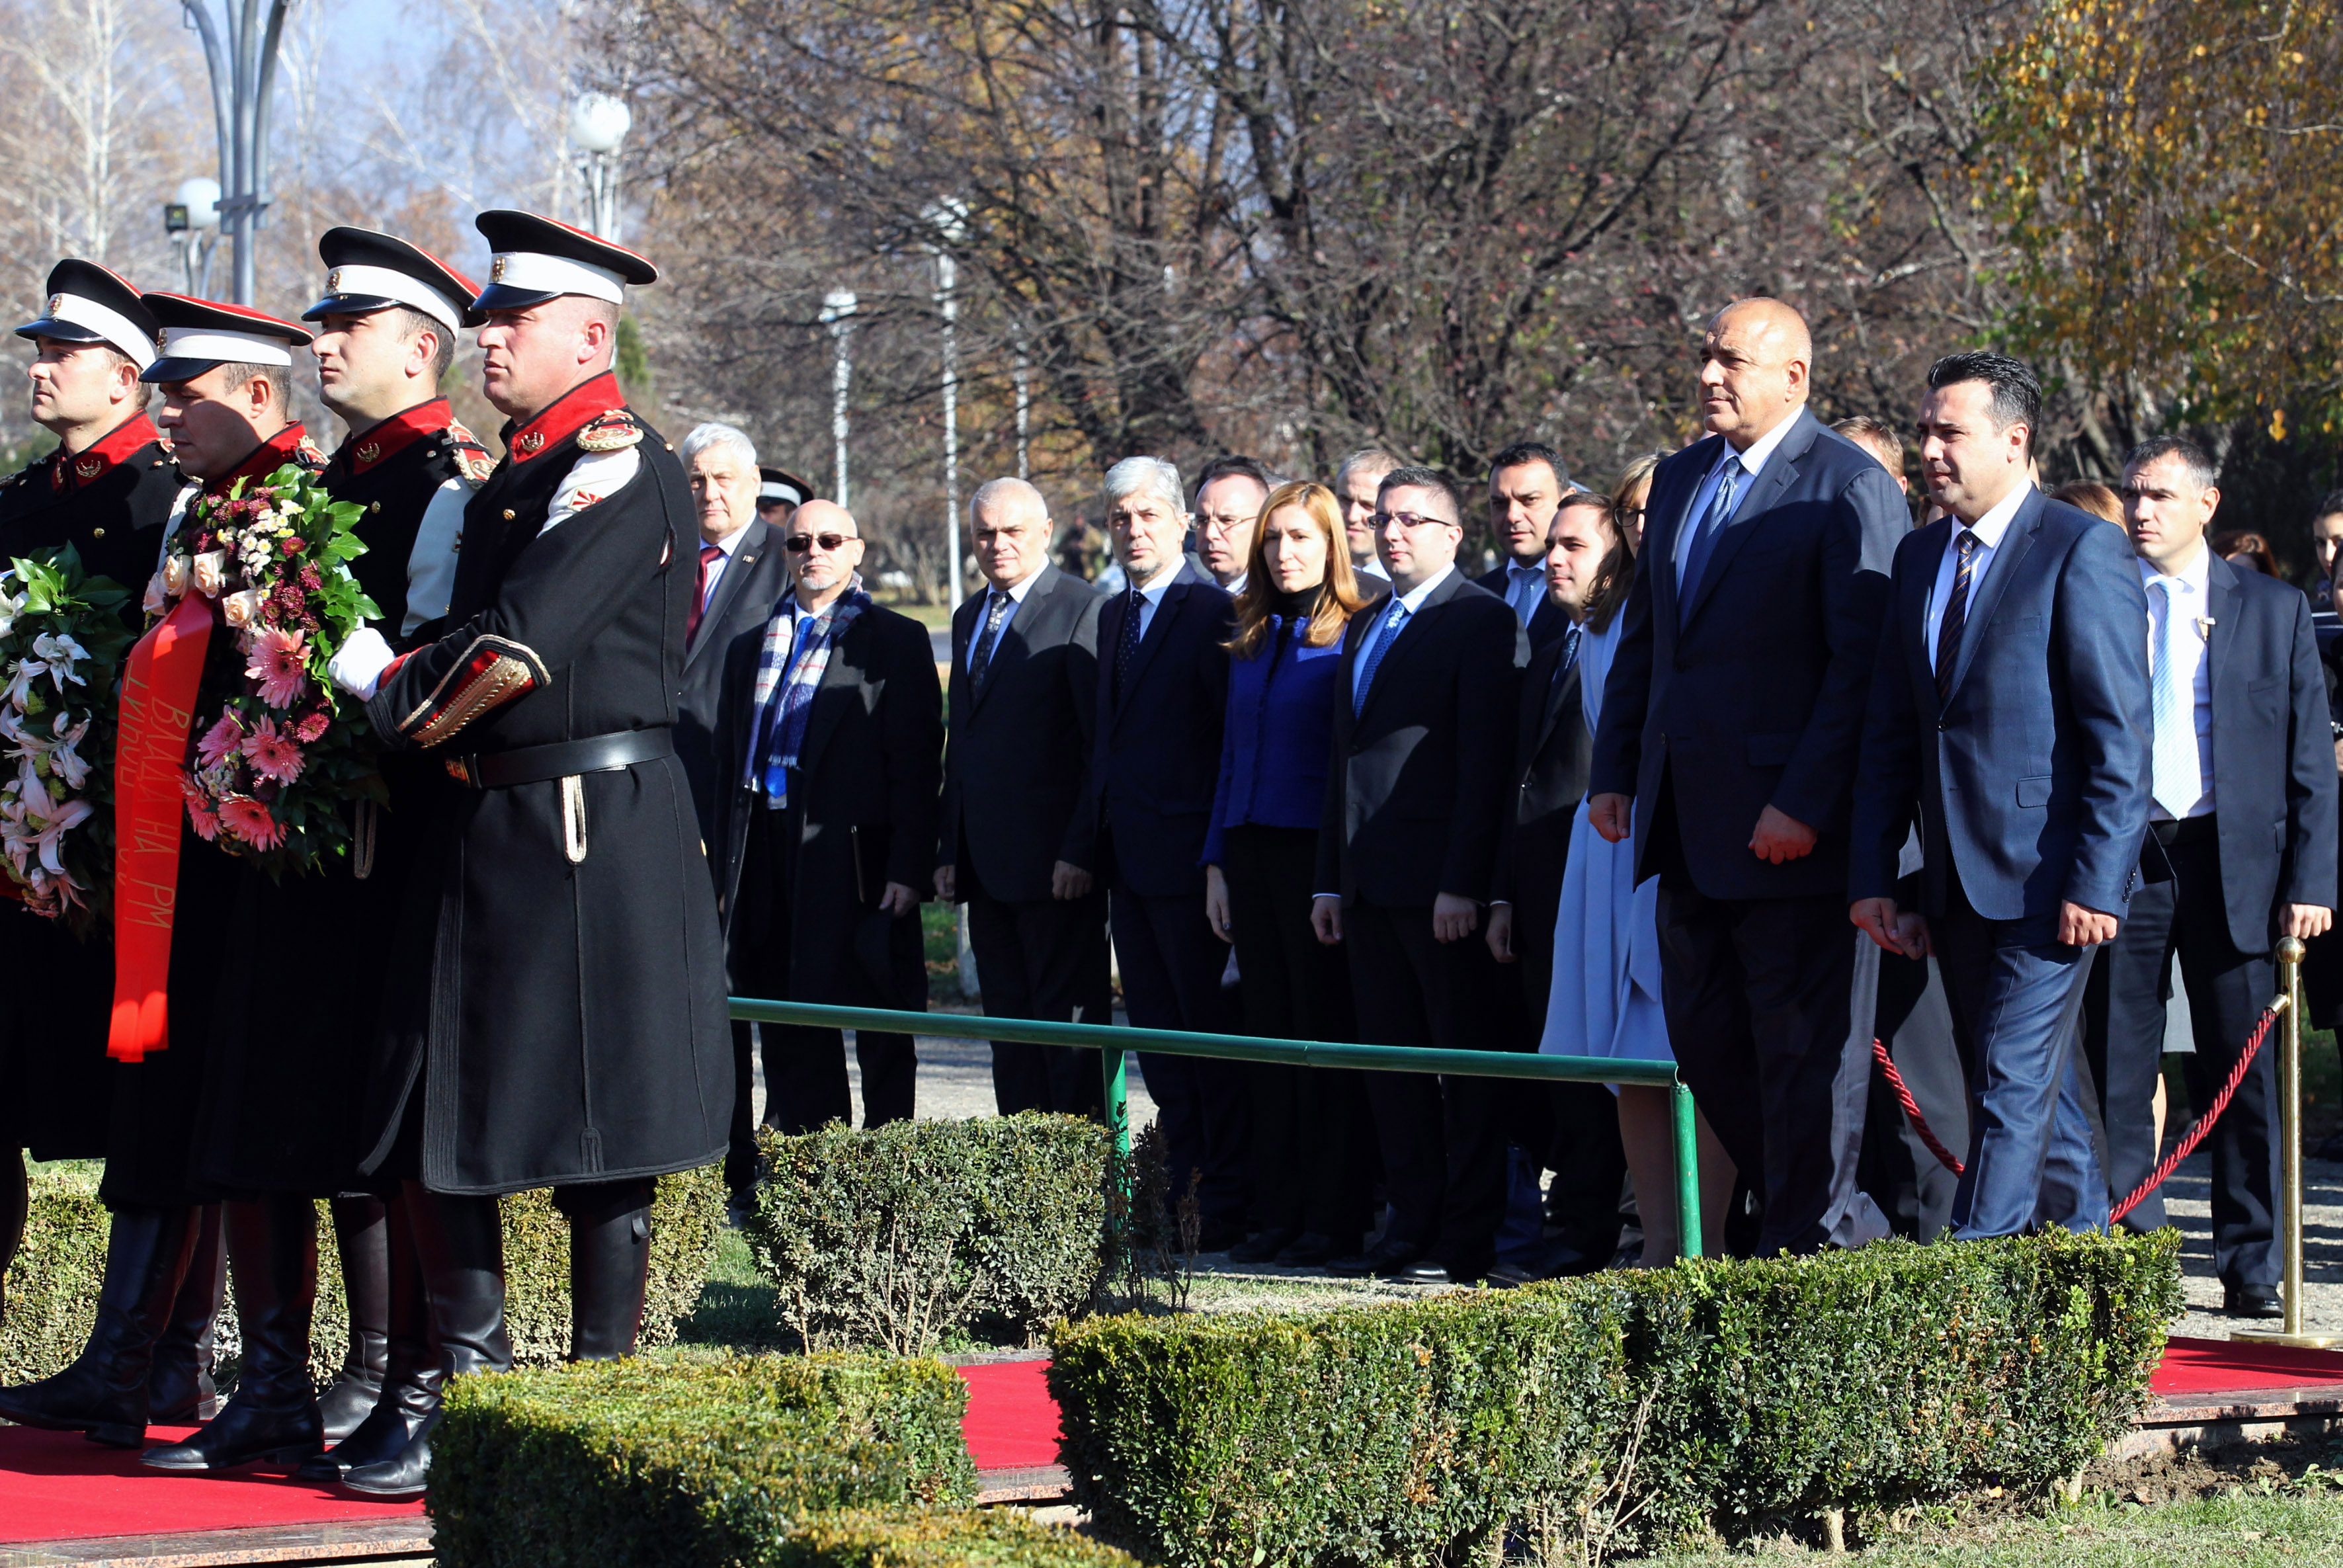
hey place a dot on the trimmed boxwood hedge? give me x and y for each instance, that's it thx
(1748, 1394)
(943, 1538)
(637, 1463)
(889, 1237)
(53, 1285)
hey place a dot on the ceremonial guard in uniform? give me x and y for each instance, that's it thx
(561, 1023)
(278, 1124)
(106, 491)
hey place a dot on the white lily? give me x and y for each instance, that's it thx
(69, 763)
(60, 653)
(20, 683)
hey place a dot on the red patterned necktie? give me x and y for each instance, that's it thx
(708, 556)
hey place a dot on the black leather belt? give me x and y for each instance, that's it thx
(562, 759)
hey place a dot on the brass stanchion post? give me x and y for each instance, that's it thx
(2290, 1152)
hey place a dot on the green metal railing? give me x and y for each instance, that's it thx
(1115, 1044)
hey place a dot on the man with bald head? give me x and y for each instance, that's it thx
(1730, 727)
(830, 752)
(1017, 836)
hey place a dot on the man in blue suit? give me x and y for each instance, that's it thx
(2010, 715)
(2240, 850)
(1162, 690)
(1730, 725)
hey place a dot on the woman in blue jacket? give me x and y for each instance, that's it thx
(1312, 1147)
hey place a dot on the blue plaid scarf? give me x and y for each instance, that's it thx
(791, 663)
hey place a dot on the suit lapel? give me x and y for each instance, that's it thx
(2006, 559)
(1410, 634)
(1665, 518)
(753, 543)
(1771, 481)
(839, 680)
(1912, 607)
(1026, 621)
(2221, 600)
(1174, 604)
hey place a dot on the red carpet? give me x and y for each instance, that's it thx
(56, 1484)
(1011, 1422)
(2215, 1366)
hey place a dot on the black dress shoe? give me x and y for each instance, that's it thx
(1264, 1246)
(1509, 1277)
(1422, 1271)
(2252, 1301)
(1314, 1249)
(1377, 1260)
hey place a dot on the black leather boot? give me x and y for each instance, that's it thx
(272, 1244)
(411, 1374)
(103, 1392)
(360, 1233)
(179, 1386)
(609, 1268)
(461, 1242)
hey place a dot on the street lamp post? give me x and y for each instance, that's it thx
(240, 52)
(597, 123)
(950, 220)
(837, 309)
(1023, 376)
(192, 219)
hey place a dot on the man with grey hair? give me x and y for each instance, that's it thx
(1016, 836)
(1163, 689)
(1355, 483)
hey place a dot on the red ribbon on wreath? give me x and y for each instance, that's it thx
(159, 706)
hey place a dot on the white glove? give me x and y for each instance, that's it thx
(359, 664)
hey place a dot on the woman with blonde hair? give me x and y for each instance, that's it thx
(1310, 1137)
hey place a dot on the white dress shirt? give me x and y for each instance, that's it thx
(2184, 599)
(729, 544)
(1753, 461)
(1989, 530)
(1413, 601)
(1016, 597)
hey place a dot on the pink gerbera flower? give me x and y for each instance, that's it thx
(251, 821)
(279, 660)
(219, 741)
(273, 755)
(312, 725)
(200, 815)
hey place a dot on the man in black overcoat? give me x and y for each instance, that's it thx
(560, 1020)
(106, 491)
(276, 1124)
(1016, 835)
(831, 750)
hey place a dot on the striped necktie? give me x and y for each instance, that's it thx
(1956, 616)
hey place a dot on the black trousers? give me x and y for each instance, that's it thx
(805, 1069)
(1041, 959)
(1572, 1128)
(1171, 966)
(1443, 1138)
(1312, 1149)
(1756, 993)
(2228, 990)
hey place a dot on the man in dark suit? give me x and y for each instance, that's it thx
(1407, 852)
(1017, 835)
(1163, 689)
(741, 575)
(831, 754)
(1526, 483)
(2241, 849)
(1730, 721)
(2009, 715)
(1551, 748)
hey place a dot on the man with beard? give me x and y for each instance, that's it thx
(106, 491)
(559, 1020)
(274, 1125)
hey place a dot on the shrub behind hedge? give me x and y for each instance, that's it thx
(1745, 1393)
(53, 1285)
(647, 1464)
(889, 1237)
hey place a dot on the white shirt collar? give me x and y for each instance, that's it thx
(1154, 596)
(1761, 448)
(730, 543)
(2195, 576)
(1414, 598)
(1990, 527)
(1017, 594)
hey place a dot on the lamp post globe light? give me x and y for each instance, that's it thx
(192, 219)
(239, 39)
(597, 123)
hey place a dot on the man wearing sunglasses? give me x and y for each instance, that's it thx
(830, 760)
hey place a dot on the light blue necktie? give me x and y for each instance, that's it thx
(2173, 765)
(1712, 523)
(1526, 587)
(1385, 635)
